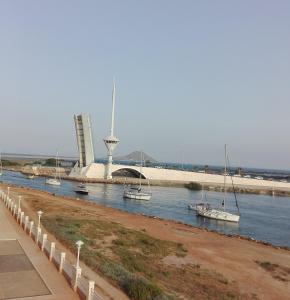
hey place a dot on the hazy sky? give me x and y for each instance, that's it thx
(191, 76)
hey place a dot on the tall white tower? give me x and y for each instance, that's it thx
(111, 141)
(84, 140)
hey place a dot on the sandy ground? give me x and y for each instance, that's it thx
(231, 256)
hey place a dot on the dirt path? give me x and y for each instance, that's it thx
(231, 256)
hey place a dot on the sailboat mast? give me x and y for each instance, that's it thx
(56, 166)
(1, 163)
(225, 177)
(140, 170)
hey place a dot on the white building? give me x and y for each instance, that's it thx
(84, 140)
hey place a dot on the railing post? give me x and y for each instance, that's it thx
(52, 250)
(77, 272)
(21, 217)
(91, 289)
(18, 214)
(25, 223)
(44, 238)
(30, 228)
(62, 259)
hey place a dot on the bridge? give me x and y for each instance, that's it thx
(98, 171)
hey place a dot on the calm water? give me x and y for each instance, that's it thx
(262, 217)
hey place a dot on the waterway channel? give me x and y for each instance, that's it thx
(263, 217)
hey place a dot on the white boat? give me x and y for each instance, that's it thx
(81, 189)
(52, 181)
(220, 214)
(30, 176)
(137, 193)
(197, 206)
(56, 179)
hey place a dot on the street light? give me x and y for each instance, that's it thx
(79, 245)
(39, 216)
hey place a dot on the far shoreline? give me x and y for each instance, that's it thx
(240, 189)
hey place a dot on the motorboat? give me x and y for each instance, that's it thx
(198, 206)
(81, 189)
(30, 176)
(52, 181)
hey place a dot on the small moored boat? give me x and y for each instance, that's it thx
(52, 181)
(56, 179)
(137, 193)
(81, 189)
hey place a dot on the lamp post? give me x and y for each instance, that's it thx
(8, 191)
(79, 245)
(39, 216)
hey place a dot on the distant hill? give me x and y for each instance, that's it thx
(135, 156)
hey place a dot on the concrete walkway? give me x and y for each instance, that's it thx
(24, 270)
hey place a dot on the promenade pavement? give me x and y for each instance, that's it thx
(24, 270)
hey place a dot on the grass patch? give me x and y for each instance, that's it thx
(133, 249)
(133, 260)
(278, 272)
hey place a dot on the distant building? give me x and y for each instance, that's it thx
(84, 140)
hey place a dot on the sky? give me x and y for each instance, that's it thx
(190, 77)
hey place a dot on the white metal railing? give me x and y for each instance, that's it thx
(56, 256)
(83, 284)
(68, 268)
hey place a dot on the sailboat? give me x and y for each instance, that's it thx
(137, 193)
(1, 167)
(206, 211)
(199, 205)
(56, 179)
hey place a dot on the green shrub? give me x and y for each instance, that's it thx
(194, 186)
(7, 163)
